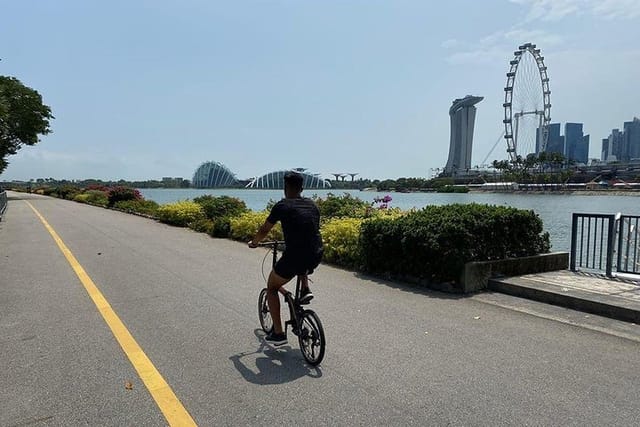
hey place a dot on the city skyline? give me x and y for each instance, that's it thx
(143, 90)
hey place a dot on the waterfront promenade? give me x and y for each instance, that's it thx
(395, 355)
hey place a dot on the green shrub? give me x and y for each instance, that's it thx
(342, 206)
(222, 206)
(385, 213)
(180, 213)
(145, 207)
(221, 227)
(97, 197)
(81, 198)
(245, 226)
(202, 225)
(341, 241)
(66, 192)
(435, 242)
(49, 191)
(120, 194)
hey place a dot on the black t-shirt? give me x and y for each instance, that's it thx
(300, 220)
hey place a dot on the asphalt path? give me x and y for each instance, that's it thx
(395, 355)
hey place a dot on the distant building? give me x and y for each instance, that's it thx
(462, 115)
(555, 143)
(275, 180)
(581, 150)
(631, 140)
(623, 146)
(572, 138)
(615, 142)
(576, 144)
(604, 153)
(213, 175)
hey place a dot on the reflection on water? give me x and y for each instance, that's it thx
(554, 209)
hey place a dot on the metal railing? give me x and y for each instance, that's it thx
(3, 202)
(601, 242)
(629, 245)
(592, 242)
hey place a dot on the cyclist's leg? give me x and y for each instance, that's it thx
(274, 283)
(304, 278)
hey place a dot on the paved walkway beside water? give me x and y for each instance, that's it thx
(92, 300)
(617, 298)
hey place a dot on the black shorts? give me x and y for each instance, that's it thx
(289, 266)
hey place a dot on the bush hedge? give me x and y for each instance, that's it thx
(93, 197)
(219, 211)
(221, 206)
(341, 241)
(180, 213)
(202, 225)
(245, 226)
(345, 206)
(120, 194)
(68, 192)
(145, 207)
(435, 242)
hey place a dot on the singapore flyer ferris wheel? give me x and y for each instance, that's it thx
(527, 103)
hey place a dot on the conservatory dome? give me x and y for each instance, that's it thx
(213, 175)
(275, 180)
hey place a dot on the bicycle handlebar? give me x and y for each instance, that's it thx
(271, 244)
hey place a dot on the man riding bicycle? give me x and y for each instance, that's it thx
(300, 219)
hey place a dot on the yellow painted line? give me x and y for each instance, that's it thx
(165, 398)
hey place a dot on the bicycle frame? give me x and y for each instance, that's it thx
(293, 300)
(304, 323)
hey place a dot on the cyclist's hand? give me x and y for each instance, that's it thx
(251, 244)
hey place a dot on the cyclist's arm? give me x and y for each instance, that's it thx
(261, 234)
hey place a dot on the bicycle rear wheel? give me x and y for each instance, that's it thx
(266, 322)
(311, 338)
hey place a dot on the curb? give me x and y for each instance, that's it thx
(607, 306)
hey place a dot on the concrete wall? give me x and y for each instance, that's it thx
(476, 275)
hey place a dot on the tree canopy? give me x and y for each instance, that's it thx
(23, 117)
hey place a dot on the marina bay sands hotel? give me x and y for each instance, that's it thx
(463, 116)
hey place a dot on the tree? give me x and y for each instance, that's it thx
(23, 117)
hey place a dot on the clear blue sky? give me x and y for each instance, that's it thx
(146, 89)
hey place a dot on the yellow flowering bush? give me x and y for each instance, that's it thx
(245, 226)
(386, 213)
(82, 198)
(93, 197)
(180, 213)
(341, 241)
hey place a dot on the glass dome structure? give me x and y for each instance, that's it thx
(213, 175)
(275, 181)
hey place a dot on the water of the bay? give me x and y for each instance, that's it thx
(554, 209)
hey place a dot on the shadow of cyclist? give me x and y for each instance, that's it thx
(273, 366)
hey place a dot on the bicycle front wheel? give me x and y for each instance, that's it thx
(266, 322)
(311, 338)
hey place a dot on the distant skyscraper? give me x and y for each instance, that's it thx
(463, 115)
(604, 153)
(582, 150)
(574, 143)
(614, 145)
(631, 140)
(555, 141)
